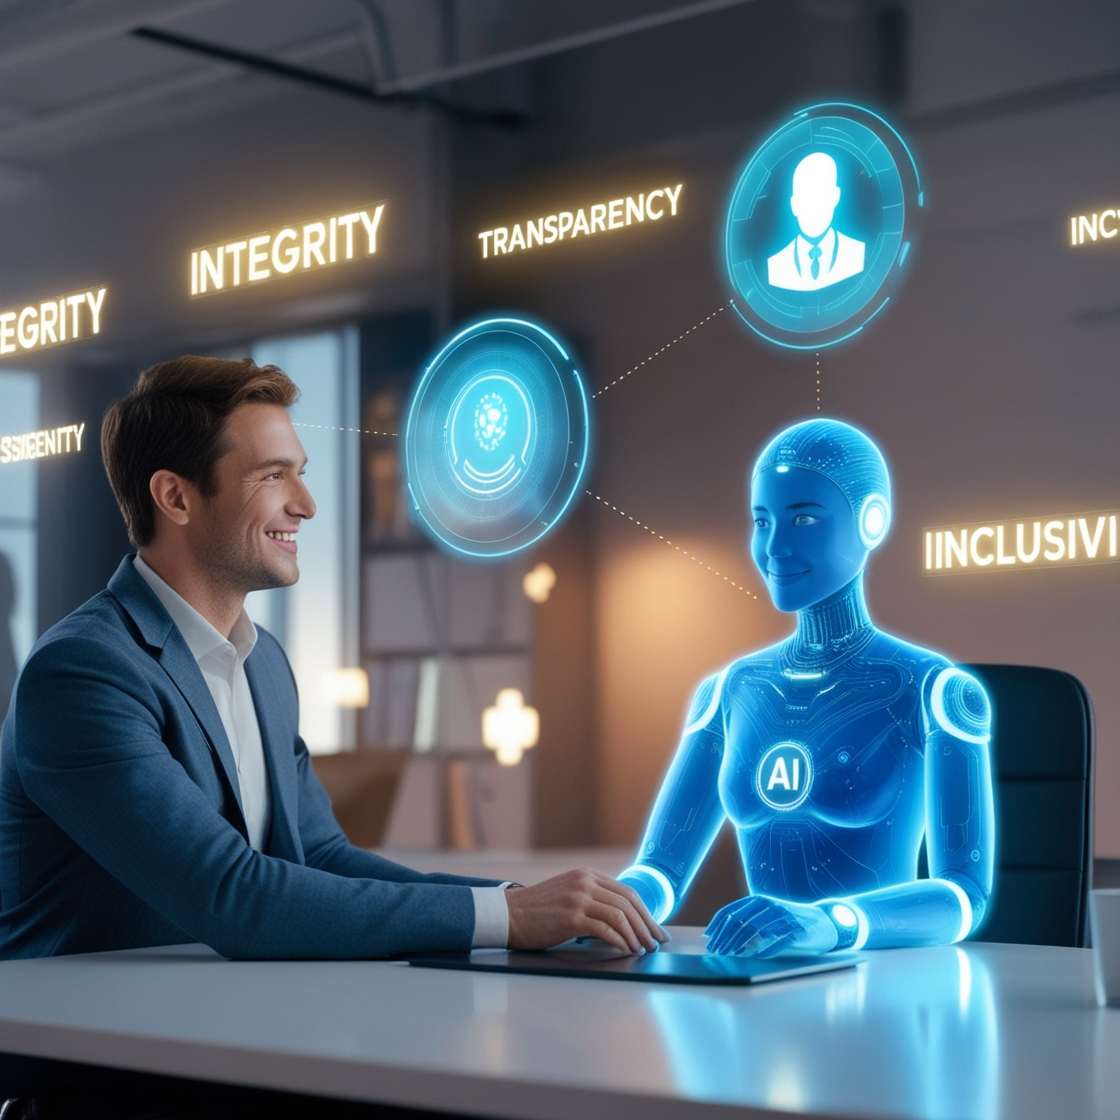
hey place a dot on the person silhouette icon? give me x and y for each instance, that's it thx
(820, 255)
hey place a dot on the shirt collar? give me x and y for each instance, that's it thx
(825, 244)
(201, 637)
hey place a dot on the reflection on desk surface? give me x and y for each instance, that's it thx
(966, 1032)
(931, 1037)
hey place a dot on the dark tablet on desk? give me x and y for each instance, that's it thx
(601, 962)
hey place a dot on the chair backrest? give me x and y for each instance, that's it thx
(1042, 759)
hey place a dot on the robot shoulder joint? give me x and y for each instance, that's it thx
(957, 703)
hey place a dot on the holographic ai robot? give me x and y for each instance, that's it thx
(836, 752)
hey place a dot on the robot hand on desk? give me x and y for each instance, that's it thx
(837, 752)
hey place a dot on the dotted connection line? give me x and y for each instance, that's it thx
(818, 381)
(658, 353)
(330, 428)
(676, 547)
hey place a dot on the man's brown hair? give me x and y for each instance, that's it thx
(173, 419)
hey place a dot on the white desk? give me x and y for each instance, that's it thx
(990, 1030)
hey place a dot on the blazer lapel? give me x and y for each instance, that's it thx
(157, 629)
(278, 740)
(180, 665)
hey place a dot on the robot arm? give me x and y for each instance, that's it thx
(960, 831)
(688, 811)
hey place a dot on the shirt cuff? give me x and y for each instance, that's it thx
(491, 917)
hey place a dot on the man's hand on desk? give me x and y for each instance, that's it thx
(581, 904)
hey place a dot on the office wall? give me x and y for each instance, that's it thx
(122, 202)
(81, 536)
(112, 199)
(990, 385)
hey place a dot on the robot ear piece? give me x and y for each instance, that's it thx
(874, 520)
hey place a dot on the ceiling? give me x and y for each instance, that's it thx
(76, 72)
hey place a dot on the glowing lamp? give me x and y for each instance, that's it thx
(348, 688)
(538, 583)
(510, 727)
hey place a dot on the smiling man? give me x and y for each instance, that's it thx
(154, 788)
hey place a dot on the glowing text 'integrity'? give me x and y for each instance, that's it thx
(313, 245)
(51, 321)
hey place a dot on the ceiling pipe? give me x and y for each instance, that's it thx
(321, 80)
(559, 45)
(377, 43)
(58, 124)
(79, 26)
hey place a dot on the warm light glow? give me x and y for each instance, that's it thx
(41, 444)
(510, 728)
(538, 583)
(599, 217)
(1035, 543)
(310, 246)
(348, 688)
(52, 321)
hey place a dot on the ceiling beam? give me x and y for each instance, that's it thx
(80, 26)
(319, 79)
(559, 45)
(59, 126)
(1033, 99)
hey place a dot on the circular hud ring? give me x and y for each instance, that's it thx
(820, 225)
(496, 439)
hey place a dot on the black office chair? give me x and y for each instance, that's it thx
(1042, 759)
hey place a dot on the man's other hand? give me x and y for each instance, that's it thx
(581, 903)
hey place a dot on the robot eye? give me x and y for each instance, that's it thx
(761, 522)
(805, 519)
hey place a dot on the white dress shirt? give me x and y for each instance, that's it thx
(222, 664)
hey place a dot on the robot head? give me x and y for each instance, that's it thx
(821, 503)
(815, 193)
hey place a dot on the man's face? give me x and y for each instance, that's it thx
(246, 532)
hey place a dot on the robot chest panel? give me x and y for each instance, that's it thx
(844, 753)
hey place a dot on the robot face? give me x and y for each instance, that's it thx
(806, 541)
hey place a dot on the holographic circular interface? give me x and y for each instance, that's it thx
(820, 225)
(496, 439)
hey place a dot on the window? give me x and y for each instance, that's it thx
(441, 635)
(19, 412)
